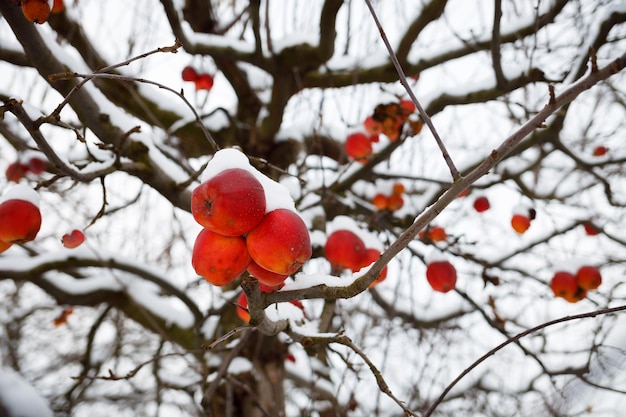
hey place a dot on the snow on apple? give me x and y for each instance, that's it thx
(276, 194)
(20, 218)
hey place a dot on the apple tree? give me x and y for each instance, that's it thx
(313, 207)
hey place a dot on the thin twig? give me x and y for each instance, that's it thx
(101, 73)
(380, 380)
(394, 59)
(515, 339)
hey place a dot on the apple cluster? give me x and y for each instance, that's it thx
(239, 234)
(392, 202)
(346, 251)
(574, 287)
(20, 218)
(202, 81)
(387, 119)
(38, 11)
(434, 234)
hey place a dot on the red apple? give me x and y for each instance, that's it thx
(395, 202)
(434, 234)
(345, 250)
(242, 307)
(398, 188)
(380, 201)
(591, 229)
(57, 6)
(407, 106)
(36, 11)
(520, 223)
(269, 278)
(20, 221)
(358, 147)
(36, 165)
(74, 239)
(441, 276)
(230, 203)
(371, 256)
(600, 150)
(4, 246)
(372, 126)
(588, 277)
(189, 74)
(16, 171)
(280, 243)
(204, 82)
(565, 285)
(481, 204)
(219, 259)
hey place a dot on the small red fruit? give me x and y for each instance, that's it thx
(219, 259)
(588, 277)
(189, 74)
(242, 307)
(591, 229)
(204, 82)
(16, 171)
(395, 202)
(407, 106)
(280, 243)
(372, 126)
(398, 188)
(230, 203)
(358, 146)
(481, 204)
(74, 239)
(520, 223)
(380, 201)
(600, 150)
(565, 285)
(441, 276)
(434, 234)
(4, 246)
(268, 278)
(36, 165)
(345, 250)
(20, 221)
(36, 11)
(57, 6)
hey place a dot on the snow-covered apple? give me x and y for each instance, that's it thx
(280, 243)
(20, 218)
(218, 258)
(231, 203)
